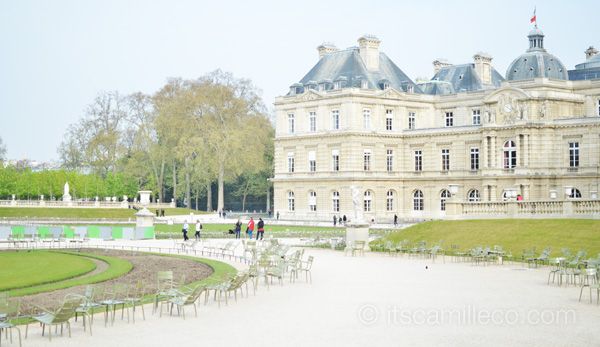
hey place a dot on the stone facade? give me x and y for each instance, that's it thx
(536, 139)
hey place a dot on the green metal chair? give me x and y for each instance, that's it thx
(306, 266)
(86, 309)
(186, 297)
(60, 316)
(113, 297)
(135, 298)
(590, 280)
(10, 311)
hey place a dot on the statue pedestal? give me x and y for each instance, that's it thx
(356, 231)
(144, 218)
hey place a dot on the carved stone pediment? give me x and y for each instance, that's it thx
(506, 106)
(390, 93)
(309, 95)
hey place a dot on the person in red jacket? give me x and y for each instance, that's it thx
(250, 228)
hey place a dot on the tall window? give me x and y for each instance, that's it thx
(335, 199)
(312, 121)
(418, 160)
(575, 194)
(418, 200)
(476, 117)
(367, 160)
(473, 195)
(573, 154)
(291, 123)
(449, 119)
(335, 119)
(312, 161)
(444, 195)
(312, 201)
(411, 120)
(290, 162)
(335, 160)
(510, 154)
(598, 108)
(474, 158)
(367, 201)
(291, 202)
(389, 160)
(367, 119)
(389, 201)
(445, 159)
(389, 119)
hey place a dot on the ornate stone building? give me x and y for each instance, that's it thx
(468, 134)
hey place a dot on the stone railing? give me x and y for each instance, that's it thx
(524, 209)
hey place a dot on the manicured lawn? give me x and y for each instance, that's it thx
(27, 269)
(176, 228)
(116, 267)
(107, 213)
(512, 234)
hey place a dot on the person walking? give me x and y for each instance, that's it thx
(261, 229)
(277, 215)
(184, 230)
(250, 228)
(334, 220)
(238, 229)
(198, 229)
(395, 220)
(344, 219)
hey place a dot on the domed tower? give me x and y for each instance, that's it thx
(536, 61)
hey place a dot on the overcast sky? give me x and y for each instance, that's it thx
(56, 56)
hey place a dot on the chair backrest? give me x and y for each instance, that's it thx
(3, 298)
(67, 310)
(193, 296)
(164, 279)
(309, 262)
(11, 308)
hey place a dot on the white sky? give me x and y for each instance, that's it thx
(56, 56)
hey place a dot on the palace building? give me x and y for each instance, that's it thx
(468, 135)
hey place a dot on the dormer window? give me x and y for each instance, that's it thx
(410, 89)
(386, 85)
(337, 85)
(364, 84)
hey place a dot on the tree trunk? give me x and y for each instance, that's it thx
(188, 186)
(244, 201)
(208, 197)
(161, 182)
(175, 180)
(220, 192)
(197, 193)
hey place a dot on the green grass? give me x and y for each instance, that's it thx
(28, 269)
(512, 234)
(96, 213)
(176, 228)
(116, 268)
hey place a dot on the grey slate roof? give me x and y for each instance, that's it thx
(349, 65)
(588, 70)
(459, 78)
(536, 62)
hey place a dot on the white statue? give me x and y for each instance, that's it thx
(66, 195)
(356, 202)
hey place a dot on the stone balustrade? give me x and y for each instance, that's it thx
(523, 209)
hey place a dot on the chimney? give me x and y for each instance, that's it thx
(438, 64)
(483, 67)
(326, 48)
(590, 52)
(369, 51)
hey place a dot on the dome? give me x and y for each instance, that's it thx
(593, 62)
(536, 62)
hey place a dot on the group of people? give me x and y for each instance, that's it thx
(260, 229)
(185, 228)
(342, 219)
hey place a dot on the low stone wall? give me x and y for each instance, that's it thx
(524, 209)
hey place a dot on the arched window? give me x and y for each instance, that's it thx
(367, 201)
(473, 195)
(389, 202)
(418, 200)
(444, 195)
(575, 194)
(335, 198)
(312, 201)
(291, 202)
(510, 154)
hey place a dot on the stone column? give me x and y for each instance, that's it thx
(492, 192)
(526, 150)
(493, 152)
(526, 192)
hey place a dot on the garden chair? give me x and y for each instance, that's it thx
(590, 280)
(253, 275)
(237, 284)
(87, 307)
(135, 298)
(276, 270)
(10, 311)
(114, 296)
(558, 268)
(218, 287)
(306, 266)
(164, 287)
(186, 297)
(60, 316)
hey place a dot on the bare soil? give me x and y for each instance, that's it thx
(145, 267)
